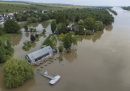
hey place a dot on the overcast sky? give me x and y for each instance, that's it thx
(86, 2)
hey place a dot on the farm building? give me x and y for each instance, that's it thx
(39, 55)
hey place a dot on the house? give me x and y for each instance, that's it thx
(10, 15)
(44, 11)
(39, 55)
(1, 18)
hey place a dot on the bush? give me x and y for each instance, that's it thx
(16, 72)
(50, 41)
(27, 45)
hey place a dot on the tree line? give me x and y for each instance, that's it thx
(81, 21)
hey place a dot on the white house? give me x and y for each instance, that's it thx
(44, 11)
(39, 55)
(10, 15)
(1, 18)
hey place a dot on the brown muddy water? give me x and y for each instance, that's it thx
(100, 62)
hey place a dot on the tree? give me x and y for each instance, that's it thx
(61, 28)
(6, 51)
(68, 40)
(16, 72)
(26, 28)
(89, 23)
(11, 26)
(61, 48)
(32, 19)
(53, 26)
(1, 30)
(81, 27)
(99, 26)
(32, 38)
(44, 17)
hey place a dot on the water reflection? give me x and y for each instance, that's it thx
(60, 57)
(27, 34)
(94, 37)
(71, 55)
(109, 27)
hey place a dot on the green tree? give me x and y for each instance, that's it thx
(11, 26)
(32, 19)
(61, 48)
(81, 27)
(68, 40)
(99, 26)
(89, 23)
(53, 26)
(1, 30)
(61, 28)
(6, 51)
(26, 28)
(16, 72)
(44, 17)
(50, 41)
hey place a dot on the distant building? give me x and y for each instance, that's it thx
(44, 11)
(1, 18)
(39, 55)
(10, 15)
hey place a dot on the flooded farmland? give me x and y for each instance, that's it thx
(100, 62)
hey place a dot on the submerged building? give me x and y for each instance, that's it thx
(39, 55)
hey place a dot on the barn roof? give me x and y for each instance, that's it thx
(39, 53)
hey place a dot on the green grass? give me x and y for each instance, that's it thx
(2, 2)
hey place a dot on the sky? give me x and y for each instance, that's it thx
(86, 2)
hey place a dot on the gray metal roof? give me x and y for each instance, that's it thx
(34, 55)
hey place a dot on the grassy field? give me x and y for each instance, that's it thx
(20, 6)
(12, 6)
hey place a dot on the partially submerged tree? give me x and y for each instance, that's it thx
(99, 26)
(68, 40)
(16, 72)
(53, 26)
(6, 51)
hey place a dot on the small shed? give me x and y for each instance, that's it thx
(39, 55)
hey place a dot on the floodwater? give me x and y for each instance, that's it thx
(100, 62)
(18, 41)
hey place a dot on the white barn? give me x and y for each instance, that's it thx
(39, 55)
